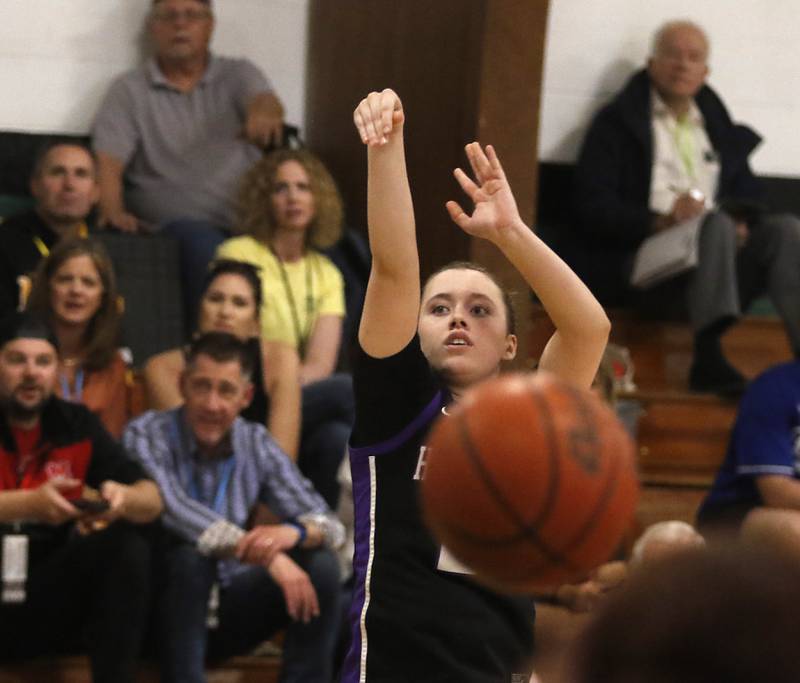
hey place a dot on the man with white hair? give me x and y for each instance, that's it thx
(663, 151)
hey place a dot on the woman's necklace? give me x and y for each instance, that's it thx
(300, 334)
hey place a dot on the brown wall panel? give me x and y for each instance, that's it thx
(465, 69)
(510, 91)
(429, 52)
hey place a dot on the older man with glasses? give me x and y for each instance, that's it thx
(174, 135)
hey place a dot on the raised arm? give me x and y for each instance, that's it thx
(391, 304)
(582, 327)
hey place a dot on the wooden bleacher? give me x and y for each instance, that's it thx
(682, 437)
(76, 670)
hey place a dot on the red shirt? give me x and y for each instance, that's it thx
(35, 462)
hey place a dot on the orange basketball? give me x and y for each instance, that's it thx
(529, 481)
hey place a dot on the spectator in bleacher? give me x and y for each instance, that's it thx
(227, 588)
(75, 289)
(666, 150)
(63, 184)
(174, 136)
(289, 209)
(761, 466)
(231, 302)
(61, 589)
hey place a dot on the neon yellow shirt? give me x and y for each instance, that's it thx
(315, 287)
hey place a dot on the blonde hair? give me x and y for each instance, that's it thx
(254, 207)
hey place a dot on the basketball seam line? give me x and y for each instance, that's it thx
(500, 499)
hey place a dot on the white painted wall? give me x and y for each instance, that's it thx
(593, 46)
(57, 57)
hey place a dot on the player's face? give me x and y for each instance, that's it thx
(65, 188)
(181, 29)
(214, 394)
(229, 305)
(463, 327)
(679, 66)
(76, 291)
(292, 198)
(27, 376)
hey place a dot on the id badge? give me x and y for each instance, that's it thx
(15, 568)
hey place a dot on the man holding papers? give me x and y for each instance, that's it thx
(664, 170)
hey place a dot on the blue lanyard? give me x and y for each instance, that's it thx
(186, 462)
(77, 395)
(222, 487)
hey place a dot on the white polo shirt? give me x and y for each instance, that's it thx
(670, 176)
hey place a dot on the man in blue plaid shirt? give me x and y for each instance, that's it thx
(228, 588)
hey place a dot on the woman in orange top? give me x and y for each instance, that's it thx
(76, 289)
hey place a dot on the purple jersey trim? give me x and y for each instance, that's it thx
(394, 442)
(362, 502)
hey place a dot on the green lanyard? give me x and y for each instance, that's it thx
(302, 338)
(684, 141)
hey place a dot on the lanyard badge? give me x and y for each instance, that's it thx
(15, 568)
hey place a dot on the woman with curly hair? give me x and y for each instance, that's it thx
(289, 209)
(75, 287)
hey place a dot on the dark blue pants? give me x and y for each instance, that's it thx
(252, 608)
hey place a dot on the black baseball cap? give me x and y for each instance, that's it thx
(26, 325)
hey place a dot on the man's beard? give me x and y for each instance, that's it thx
(19, 412)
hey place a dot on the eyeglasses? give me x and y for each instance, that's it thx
(171, 16)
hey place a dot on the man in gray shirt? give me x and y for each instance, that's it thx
(174, 136)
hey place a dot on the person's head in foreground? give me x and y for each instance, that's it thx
(720, 614)
(664, 540)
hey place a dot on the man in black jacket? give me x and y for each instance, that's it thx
(666, 150)
(64, 186)
(75, 570)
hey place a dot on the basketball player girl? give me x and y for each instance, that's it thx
(416, 614)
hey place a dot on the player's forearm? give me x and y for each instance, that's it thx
(390, 212)
(568, 301)
(582, 326)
